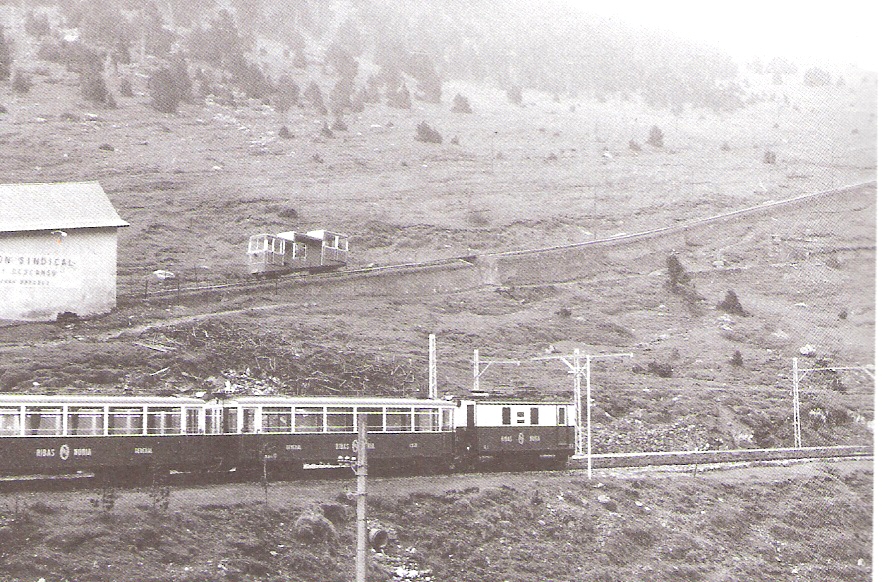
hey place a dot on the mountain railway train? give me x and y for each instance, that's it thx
(122, 436)
(287, 252)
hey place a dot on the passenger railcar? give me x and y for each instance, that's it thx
(286, 252)
(65, 434)
(290, 432)
(138, 436)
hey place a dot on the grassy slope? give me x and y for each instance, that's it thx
(812, 522)
(195, 185)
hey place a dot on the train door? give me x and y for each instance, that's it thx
(563, 431)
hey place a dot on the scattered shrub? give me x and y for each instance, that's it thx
(314, 97)
(21, 82)
(5, 57)
(37, 24)
(816, 77)
(399, 97)
(287, 93)
(426, 133)
(731, 304)
(769, 157)
(656, 137)
(312, 527)
(726, 147)
(285, 133)
(634, 146)
(514, 95)
(93, 88)
(339, 125)
(677, 275)
(461, 105)
(737, 359)
(661, 370)
(167, 89)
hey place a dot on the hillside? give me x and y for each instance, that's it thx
(552, 169)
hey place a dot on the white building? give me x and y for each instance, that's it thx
(57, 250)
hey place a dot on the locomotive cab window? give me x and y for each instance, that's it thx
(85, 421)
(10, 422)
(43, 421)
(506, 415)
(561, 416)
(534, 415)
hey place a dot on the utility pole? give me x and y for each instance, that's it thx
(578, 369)
(799, 374)
(359, 466)
(478, 370)
(361, 471)
(433, 370)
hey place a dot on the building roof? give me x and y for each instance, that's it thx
(27, 207)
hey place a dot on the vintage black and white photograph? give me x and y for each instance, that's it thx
(437, 290)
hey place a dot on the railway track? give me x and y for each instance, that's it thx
(248, 284)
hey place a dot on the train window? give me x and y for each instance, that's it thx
(249, 416)
(340, 419)
(10, 422)
(506, 415)
(308, 419)
(374, 418)
(164, 420)
(425, 419)
(446, 419)
(43, 421)
(85, 421)
(191, 417)
(231, 420)
(561, 416)
(276, 419)
(534, 415)
(125, 420)
(399, 419)
(213, 420)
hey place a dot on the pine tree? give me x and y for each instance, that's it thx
(5, 57)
